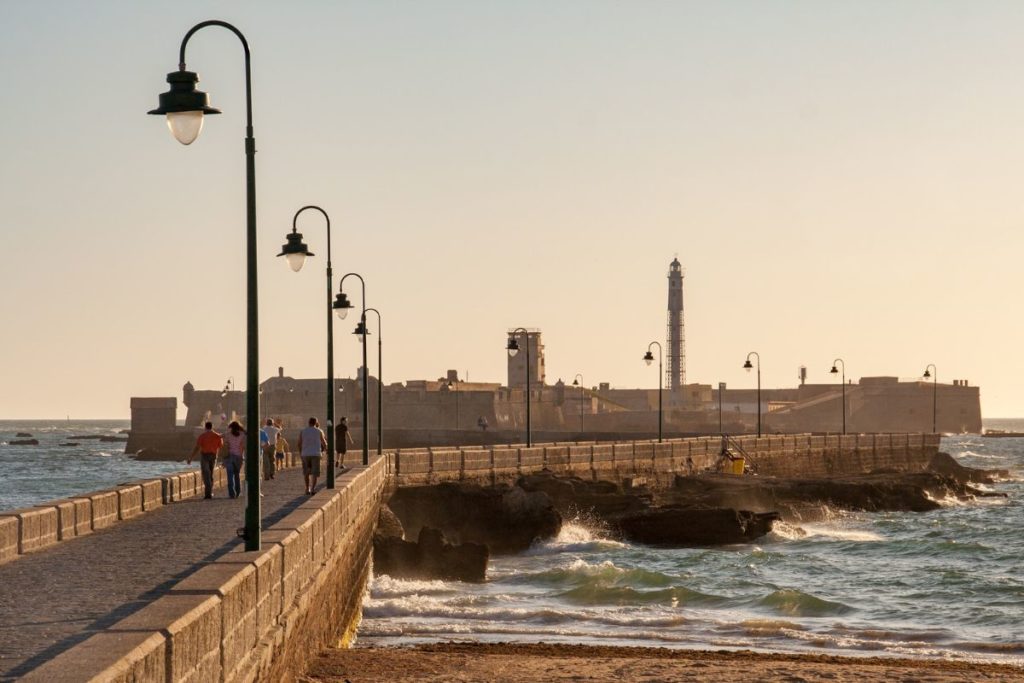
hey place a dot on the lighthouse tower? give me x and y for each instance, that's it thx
(675, 374)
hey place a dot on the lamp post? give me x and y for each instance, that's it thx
(835, 370)
(455, 386)
(185, 107)
(578, 382)
(295, 252)
(935, 395)
(229, 385)
(649, 358)
(721, 390)
(380, 383)
(513, 348)
(748, 367)
(341, 305)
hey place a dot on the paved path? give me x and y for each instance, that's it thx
(58, 597)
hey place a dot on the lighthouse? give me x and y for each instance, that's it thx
(675, 373)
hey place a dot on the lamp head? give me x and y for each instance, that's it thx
(834, 370)
(512, 347)
(927, 374)
(184, 106)
(575, 382)
(361, 329)
(648, 357)
(748, 366)
(342, 305)
(295, 251)
(451, 385)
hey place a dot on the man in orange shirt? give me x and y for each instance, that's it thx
(208, 444)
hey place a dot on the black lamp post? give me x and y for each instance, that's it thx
(748, 367)
(229, 385)
(295, 252)
(185, 107)
(454, 386)
(341, 305)
(835, 370)
(380, 383)
(513, 348)
(935, 395)
(577, 381)
(649, 358)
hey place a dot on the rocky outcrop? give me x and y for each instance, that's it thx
(431, 557)
(504, 518)
(684, 526)
(23, 435)
(572, 495)
(943, 463)
(24, 442)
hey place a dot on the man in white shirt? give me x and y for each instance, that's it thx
(312, 443)
(269, 464)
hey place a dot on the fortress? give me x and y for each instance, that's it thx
(450, 410)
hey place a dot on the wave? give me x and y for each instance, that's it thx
(797, 603)
(576, 537)
(624, 595)
(580, 571)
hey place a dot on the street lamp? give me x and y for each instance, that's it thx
(578, 382)
(341, 305)
(229, 385)
(834, 371)
(185, 107)
(380, 383)
(649, 358)
(455, 386)
(513, 348)
(295, 252)
(935, 395)
(748, 367)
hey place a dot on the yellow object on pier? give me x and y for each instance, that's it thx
(737, 465)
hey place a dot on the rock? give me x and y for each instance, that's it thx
(572, 495)
(431, 557)
(114, 439)
(680, 526)
(506, 519)
(24, 442)
(388, 524)
(23, 435)
(156, 455)
(946, 465)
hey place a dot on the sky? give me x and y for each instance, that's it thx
(837, 179)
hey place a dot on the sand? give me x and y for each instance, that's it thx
(500, 662)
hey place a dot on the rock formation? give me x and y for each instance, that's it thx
(685, 526)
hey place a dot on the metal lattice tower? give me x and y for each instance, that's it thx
(675, 373)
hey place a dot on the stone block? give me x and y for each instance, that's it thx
(531, 459)
(37, 528)
(192, 625)
(83, 515)
(603, 454)
(152, 494)
(104, 509)
(8, 538)
(236, 586)
(129, 501)
(643, 455)
(445, 463)
(476, 462)
(622, 456)
(506, 460)
(557, 458)
(409, 461)
(580, 458)
(123, 657)
(65, 518)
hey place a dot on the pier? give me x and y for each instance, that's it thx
(148, 582)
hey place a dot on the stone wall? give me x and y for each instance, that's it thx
(798, 455)
(248, 615)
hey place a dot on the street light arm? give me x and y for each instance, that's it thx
(374, 310)
(341, 287)
(327, 218)
(756, 355)
(654, 343)
(248, 72)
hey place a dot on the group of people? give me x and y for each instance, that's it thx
(312, 445)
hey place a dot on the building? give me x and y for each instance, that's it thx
(675, 341)
(517, 363)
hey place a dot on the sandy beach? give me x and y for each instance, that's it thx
(544, 662)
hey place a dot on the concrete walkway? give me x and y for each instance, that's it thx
(58, 597)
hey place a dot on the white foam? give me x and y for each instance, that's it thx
(841, 534)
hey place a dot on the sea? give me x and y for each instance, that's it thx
(947, 583)
(943, 584)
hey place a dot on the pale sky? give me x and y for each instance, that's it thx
(837, 178)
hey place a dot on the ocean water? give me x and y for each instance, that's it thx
(30, 475)
(947, 583)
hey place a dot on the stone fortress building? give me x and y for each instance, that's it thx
(450, 410)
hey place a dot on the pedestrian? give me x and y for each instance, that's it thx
(282, 445)
(207, 446)
(342, 438)
(270, 449)
(235, 440)
(312, 443)
(482, 423)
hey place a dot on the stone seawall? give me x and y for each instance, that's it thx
(248, 615)
(798, 455)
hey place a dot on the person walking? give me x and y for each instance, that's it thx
(235, 440)
(207, 446)
(281, 447)
(312, 443)
(342, 438)
(269, 449)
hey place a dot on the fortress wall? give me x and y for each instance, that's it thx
(797, 455)
(248, 615)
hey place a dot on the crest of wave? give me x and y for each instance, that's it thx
(582, 533)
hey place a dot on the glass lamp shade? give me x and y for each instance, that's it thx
(342, 313)
(296, 261)
(648, 361)
(185, 125)
(512, 351)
